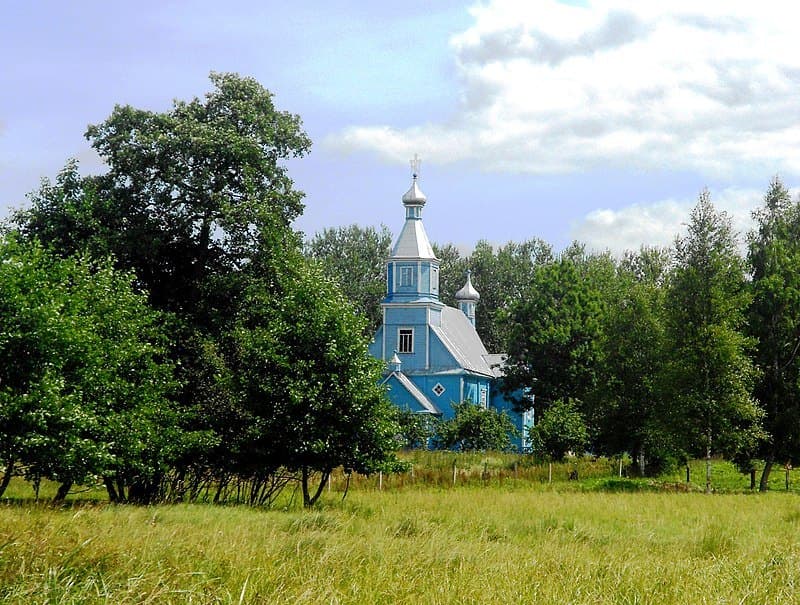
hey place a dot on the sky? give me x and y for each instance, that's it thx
(596, 120)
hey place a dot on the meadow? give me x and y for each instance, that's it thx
(491, 540)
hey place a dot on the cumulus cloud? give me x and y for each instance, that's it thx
(659, 223)
(548, 87)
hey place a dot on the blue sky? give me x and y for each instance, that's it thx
(596, 120)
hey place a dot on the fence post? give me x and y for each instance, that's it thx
(454, 472)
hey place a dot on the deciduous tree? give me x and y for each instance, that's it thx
(709, 376)
(774, 320)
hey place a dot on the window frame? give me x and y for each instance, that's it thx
(405, 336)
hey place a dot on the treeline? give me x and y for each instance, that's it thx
(161, 330)
(667, 354)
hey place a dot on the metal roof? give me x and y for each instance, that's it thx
(413, 242)
(414, 195)
(468, 292)
(458, 335)
(496, 362)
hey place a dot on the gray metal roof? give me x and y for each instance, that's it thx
(468, 292)
(458, 335)
(413, 242)
(414, 195)
(496, 362)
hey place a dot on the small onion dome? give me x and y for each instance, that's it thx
(414, 196)
(468, 292)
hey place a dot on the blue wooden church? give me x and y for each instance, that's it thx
(433, 353)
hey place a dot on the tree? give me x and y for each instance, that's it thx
(197, 203)
(415, 429)
(774, 320)
(709, 373)
(473, 427)
(81, 357)
(503, 275)
(561, 429)
(553, 334)
(308, 386)
(355, 257)
(626, 403)
(452, 272)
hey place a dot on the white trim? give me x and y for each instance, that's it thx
(383, 334)
(428, 345)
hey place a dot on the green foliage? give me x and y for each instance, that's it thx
(308, 386)
(626, 403)
(473, 427)
(709, 373)
(355, 258)
(502, 275)
(85, 386)
(276, 380)
(774, 320)
(560, 429)
(415, 429)
(553, 331)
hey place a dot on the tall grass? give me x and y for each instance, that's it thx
(467, 545)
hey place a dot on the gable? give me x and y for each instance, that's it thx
(405, 393)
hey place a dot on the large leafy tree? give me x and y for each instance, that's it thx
(774, 320)
(84, 385)
(355, 257)
(626, 403)
(190, 197)
(309, 388)
(553, 331)
(194, 199)
(709, 374)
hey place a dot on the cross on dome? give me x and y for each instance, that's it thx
(415, 164)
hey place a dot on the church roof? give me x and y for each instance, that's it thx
(458, 335)
(412, 389)
(413, 242)
(468, 292)
(496, 362)
(414, 195)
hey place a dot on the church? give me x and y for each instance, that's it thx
(433, 354)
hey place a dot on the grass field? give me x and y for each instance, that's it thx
(504, 542)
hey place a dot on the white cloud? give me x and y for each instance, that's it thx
(548, 87)
(658, 223)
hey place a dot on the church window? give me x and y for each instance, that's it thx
(438, 389)
(406, 276)
(405, 340)
(435, 280)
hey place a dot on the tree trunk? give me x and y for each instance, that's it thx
(113, 496)
(763, 485)
(6, 477)
(752, 479)
(62, 492)
(308, 499)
